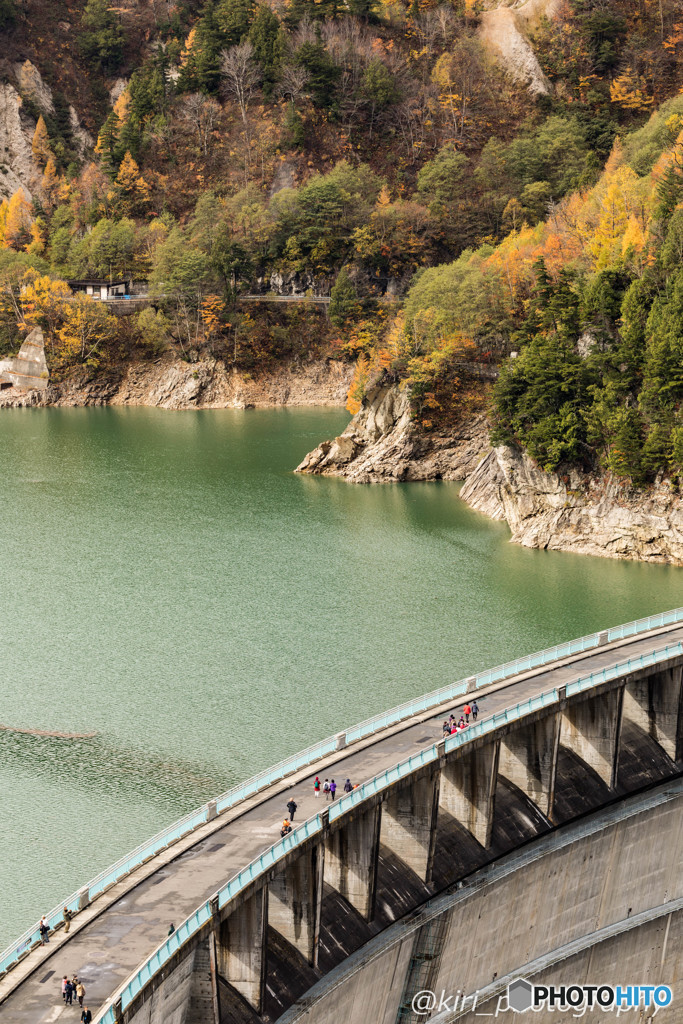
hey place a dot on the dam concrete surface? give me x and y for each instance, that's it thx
(123, 926)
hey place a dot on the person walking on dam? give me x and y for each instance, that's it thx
(44, 930)
(475, 710)
(467, 711)
(291, 807)
(316, 787)
(80, 993)
(86, 1016)
(65, 982)
(67, 915)
(326, 789)
(333, 789)
(347, 786)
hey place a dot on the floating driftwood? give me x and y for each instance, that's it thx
(49, 733)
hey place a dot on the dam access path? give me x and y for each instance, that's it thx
(124, 925)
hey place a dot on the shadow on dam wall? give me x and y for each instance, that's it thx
(517, 821)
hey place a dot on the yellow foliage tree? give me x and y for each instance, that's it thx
(358, 385)
(188, 48)
(86, 326)
(42, 303)
(605, 243)
(131, 191)
(40, 147)
(50, 185)
(38, 235)
(211, 312)
(18, 221)
(122, 106)
(628, 91)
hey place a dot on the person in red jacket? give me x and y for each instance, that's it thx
(467, 712)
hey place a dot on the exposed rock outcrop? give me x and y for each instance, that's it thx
(17, 166)
(590, 515)
(382, 445)
(206, 384)
(505, 32)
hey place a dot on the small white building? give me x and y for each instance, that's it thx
(107, 290)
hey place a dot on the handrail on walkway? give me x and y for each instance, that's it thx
(264, 863)
(11, 956)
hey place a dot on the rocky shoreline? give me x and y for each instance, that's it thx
(382, 445)
(592, 515)
(170, 383)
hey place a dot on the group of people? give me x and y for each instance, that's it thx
(74, 987)
(328, 787)
(452, 725)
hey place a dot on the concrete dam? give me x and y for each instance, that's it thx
(539, 847)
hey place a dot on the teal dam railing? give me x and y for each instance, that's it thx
(13, 954)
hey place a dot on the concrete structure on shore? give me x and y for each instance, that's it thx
(522, 847)
(29, 368)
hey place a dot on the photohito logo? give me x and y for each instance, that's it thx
(523, 996)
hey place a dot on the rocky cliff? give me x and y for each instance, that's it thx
(207, 384)
(18, 168)
(382, 444)
(591, 515)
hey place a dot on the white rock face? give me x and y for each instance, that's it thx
(83, 139)
(117, 89)
(17, 167)
(504, 30)
(31, 84)
(587, 514)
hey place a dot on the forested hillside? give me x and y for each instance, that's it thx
(380, 151)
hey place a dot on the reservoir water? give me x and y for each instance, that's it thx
(171, 587)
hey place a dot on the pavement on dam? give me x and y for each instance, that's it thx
(105, 948)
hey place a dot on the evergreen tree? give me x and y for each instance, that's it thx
(199, 61)
(8, 15)
(233, 20)
(294, 133)
(625, 457)
(657, 455)
(662, 387)
(343, 299)
(102, 39)
(323, 73)
(107, 145)
(267, 39)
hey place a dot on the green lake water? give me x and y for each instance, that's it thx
(169, 584)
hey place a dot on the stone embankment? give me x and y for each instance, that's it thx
(206, 384)
(382, 445)
(593, 515)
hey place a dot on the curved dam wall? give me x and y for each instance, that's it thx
(256, 952)
(598, 902)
